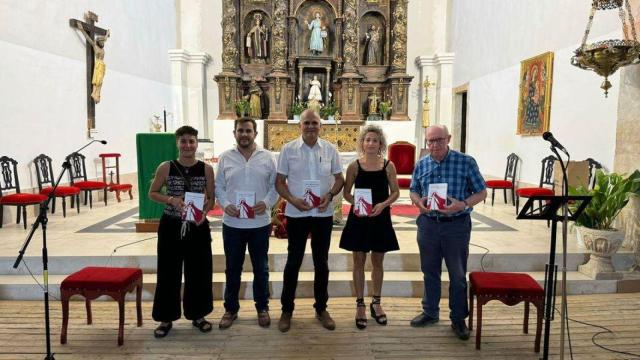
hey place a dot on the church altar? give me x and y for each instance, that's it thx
(344, 136)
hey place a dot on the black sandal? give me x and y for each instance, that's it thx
(380, 319)
(361, 323)
(162, 330)
(202, 324)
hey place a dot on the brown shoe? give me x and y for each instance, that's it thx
(227, 320)
(326, 320)
(263, 318)
(285, 321)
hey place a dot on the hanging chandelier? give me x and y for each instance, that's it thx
(605, 57)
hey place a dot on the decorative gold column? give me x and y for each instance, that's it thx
(228, 80)
(278, 78)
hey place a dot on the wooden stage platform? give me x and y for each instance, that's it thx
(22, 333)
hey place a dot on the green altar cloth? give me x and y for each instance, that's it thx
(152, 150)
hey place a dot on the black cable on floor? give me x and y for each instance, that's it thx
(593, 338)
(125, 245)
(36, 280)
(483, 255)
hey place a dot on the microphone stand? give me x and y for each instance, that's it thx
(565, 221)
(42, 219)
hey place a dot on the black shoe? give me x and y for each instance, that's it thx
(423, 320)
(461, 329)
(380, 319)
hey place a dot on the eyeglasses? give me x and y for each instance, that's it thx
(435, 141)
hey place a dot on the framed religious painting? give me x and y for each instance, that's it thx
(534, 100)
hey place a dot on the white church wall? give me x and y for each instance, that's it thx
(489, 46)
(42, 82)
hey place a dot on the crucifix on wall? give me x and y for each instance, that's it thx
(95, 39)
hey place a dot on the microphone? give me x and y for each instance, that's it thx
(103, 142)
(555, 143)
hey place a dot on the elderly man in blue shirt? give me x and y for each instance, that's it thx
(444, 233)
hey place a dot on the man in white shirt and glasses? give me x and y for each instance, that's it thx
(308, 164)
(245, 189)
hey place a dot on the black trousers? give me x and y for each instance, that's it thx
(298, 230)
(194, 251)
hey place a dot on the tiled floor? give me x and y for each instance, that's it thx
(98, 231)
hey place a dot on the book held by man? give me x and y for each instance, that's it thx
(245, 201)
(311, 193)
(437, 196)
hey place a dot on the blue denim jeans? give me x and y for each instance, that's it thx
(235, 245)
(448, 241)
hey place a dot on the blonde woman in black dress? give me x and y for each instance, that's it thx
(373, 233)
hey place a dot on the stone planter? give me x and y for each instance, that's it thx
(602, 245)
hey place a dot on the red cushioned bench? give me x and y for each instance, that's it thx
(92, 282)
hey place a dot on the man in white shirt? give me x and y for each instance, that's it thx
(246, 177)
(308, 164)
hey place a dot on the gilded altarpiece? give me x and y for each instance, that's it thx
(348, 52)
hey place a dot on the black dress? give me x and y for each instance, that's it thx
(371, 233)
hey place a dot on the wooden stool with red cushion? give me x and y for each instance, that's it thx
(546, 178)
(508, 182)
(9, 181)
(92, 282)
(114, 186)
(403, 155)
(511, 289)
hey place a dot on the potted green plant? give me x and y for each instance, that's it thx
(595, 226)
(385, 109)
(328, 111)
(297, 108)
(242, 107)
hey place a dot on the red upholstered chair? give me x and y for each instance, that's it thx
(546, 178)
(511, 289)
(403, 155)
(508, 182)
(9, 181)
(92, 282)
(117, 186)
(45, 176)
(78, 178)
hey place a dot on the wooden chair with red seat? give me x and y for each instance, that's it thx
(546, 178)
(9, 181)
(508, 182)
(403, 155)
(114, 186)
(92, 282)
(510, 289)
(78, 178)
(45, 176)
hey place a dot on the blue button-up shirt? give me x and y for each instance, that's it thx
(459, 171)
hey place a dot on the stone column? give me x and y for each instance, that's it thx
(439, 69)
(627, 155)
(188, 75)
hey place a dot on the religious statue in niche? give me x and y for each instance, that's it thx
(373, 102)
(315, 94)
(255, 103)
(99, 66)
(318, 35)
(257, 41)
(372, 40)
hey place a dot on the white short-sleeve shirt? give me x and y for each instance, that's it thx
(299, 162)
